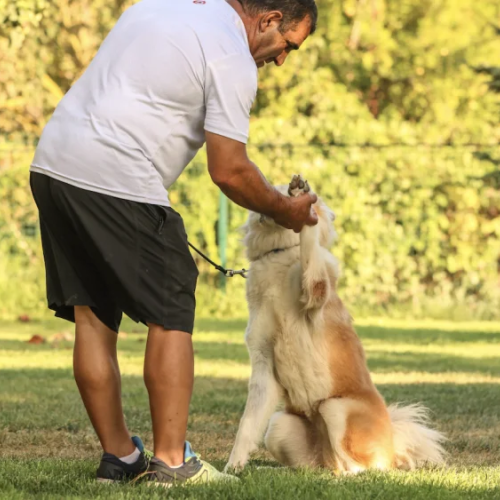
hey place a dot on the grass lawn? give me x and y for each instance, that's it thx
(48, 449)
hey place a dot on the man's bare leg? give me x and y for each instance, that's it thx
(169, 374)
(97, 375)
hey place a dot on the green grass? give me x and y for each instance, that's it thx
(48, 449)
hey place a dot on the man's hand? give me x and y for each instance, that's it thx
(299, 213)
(243, 183)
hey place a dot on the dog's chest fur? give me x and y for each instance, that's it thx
(301, 366)
(301, 361)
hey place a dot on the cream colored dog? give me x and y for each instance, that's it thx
(304, 350)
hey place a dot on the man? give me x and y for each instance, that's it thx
(171, 75)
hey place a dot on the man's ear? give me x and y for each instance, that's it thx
(270, 20)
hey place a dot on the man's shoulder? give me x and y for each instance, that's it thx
(220, 31)
(212, 26)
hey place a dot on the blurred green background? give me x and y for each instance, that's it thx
(391, 111)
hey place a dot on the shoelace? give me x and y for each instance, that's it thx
(148, 455)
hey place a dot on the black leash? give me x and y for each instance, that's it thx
(228, 273)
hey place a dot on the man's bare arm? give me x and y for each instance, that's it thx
(243, 183)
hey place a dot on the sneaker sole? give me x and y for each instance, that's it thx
(158, 484)
(186, 484)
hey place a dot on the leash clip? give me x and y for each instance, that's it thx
(230, 273)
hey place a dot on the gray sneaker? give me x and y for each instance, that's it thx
(192, 471)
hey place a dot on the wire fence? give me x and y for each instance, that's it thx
(8, 153)
(333, 144)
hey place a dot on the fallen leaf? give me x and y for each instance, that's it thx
(58, 337)
(36, 339)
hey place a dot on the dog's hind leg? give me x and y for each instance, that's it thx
(291, 440)
(360, 434)
(264, 393)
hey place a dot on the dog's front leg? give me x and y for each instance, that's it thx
(315, 276)
(318, 269)
(264, 393)
(318, 266)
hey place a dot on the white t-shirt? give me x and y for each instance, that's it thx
(166, 72)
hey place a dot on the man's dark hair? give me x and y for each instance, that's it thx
(293, 11)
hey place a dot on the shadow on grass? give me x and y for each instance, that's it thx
(36, 399)
(410, 336)
(48, 399)
(425, 336)
(23, 346)
(383, 362)
(218, 325)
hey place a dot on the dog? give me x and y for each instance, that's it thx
(304, 352)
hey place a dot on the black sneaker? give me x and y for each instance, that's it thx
(192, 471)
(112, 469)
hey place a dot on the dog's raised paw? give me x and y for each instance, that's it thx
(298, 186)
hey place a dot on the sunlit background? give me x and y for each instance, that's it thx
(391, 110)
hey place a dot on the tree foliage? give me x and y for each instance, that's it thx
(418, 221)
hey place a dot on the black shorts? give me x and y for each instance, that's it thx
(115, 256)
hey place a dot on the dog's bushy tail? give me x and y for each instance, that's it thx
(415, 443)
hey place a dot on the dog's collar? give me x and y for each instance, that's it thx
(276, 250)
